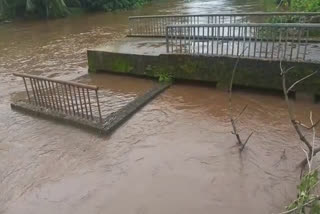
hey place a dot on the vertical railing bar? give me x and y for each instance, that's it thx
(286, 42)
(218, 36)
(292, 45)
(208, 36)
(198, 34)
(99, 110)
(203, 39)
(244, 33)
(51, 95)
(267, 41)
(299, 43)
(63, 99)
(212, 38)
(250, 37)
(234, 34)
(228, 38)
(71, 98)
(89, 104)
(261, 41)
(255, 41)
(280, 42)
(39, 90)
(34, 91)
(272, 49)
(67, 96)
(85, 103)
(59, 97)
(76, 99)
(189, 39)
(176, 38)
(193, 32)
(167, 39)
(47, 95)
(222, 39)
(53, 92)
(80, 100)
(172, 38)
(238, 45)
(43, 93)
(306, 44)
(25, 85)
(180, 38)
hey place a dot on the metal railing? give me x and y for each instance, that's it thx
(269, 41)
(69, 98)
(156, 25)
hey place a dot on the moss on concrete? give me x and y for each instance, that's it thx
(254, 73)
(121, 65)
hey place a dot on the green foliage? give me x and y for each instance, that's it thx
(165, 78)
(3, 8)
(305, 195)
(73, 3)
(305, 5)
(59, 8)
(300, 5)
(109, 5)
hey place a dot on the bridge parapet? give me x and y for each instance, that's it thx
(155, 25)
(289, 41)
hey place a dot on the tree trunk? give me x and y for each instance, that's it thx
(3, 9)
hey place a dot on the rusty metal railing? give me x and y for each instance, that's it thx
(69, 98)
(155, 25)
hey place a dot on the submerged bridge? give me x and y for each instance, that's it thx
(232, 34)
(188, 47)
(205, 47)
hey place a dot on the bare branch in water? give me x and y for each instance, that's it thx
(232, 119)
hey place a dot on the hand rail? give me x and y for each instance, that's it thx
(155, 25)
(233, 14)
(66, 97)
(288, 41)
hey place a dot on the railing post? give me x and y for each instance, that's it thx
(167, 38)
(97, 97)
(25, 85)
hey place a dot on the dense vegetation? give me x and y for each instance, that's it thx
(58, 8)
(300, 5)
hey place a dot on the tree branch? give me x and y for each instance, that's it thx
(245, 143)
(303, 205)
(297, 82)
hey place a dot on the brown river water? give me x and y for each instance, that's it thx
(176, 155)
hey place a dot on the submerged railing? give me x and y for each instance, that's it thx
(156, 25)
(69, 98)
(269, 41)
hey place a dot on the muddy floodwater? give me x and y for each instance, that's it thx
(176, 155)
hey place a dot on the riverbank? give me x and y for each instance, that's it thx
(60, 8)
(176, 155)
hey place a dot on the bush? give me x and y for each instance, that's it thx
(109, 5)
(73, 3)
(59, 8)
(305, 5)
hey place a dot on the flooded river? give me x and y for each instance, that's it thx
(176, 155)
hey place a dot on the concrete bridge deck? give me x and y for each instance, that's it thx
(158, 46)
(206, 48)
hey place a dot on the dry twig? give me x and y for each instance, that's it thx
(312, 151)
(232, 119)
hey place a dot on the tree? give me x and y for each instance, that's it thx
(3, 8)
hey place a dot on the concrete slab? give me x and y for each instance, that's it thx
(110, 122)
(134, 45)
(157, 46)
